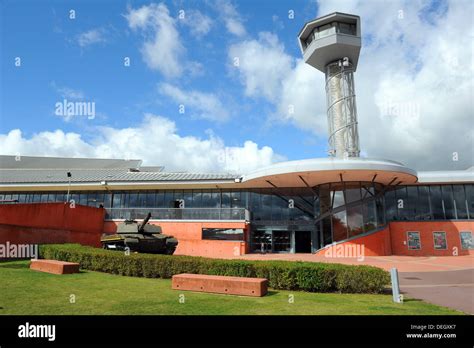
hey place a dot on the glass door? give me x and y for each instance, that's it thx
(281, 241)
(261, 241)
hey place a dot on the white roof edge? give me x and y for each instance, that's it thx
(446, 176)
(329, 164)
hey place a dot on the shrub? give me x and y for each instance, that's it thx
(285, 275)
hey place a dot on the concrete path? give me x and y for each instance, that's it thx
(453, 289)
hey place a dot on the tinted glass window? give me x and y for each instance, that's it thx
(411, 203)
(460, 200)
(423, 206)
(355, 221)
(447, 191)
(436, 203)
(470, 199)
(339, 226)
(188, 199)
(402, 203)
(391, 205)
(160, 200)
(226, 199)
(223, 234)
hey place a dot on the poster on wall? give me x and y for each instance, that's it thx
(414, 242)
(466, 240)
(440, 240)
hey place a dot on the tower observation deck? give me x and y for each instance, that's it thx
(332, 45)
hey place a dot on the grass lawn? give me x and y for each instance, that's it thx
(23, 291)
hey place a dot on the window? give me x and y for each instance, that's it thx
(346, 28)
(339, 226)
(326, 30)
(439, 239)
(402, 203)
(188, 199)
(223, 233)
(107, 200)
(470, 199)
(411, 202)
(133, 200)
(391, 205)
(466, 240)
(460, 201)
(149, 200)
(423, 206)
(355, 220)
(117, 200)
(337, 199)
(225, 199)
(160, 200)
(352, 195)
(436, 203)
(448, 201)
(413, 240)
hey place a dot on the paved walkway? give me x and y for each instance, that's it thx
(446, 280)
(454, 289)
(402, 263)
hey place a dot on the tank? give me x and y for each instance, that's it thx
(140, 237)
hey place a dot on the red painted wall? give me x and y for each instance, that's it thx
(190, 239)
(375, 244)
(393, 239)
(398, 232)
(38, 223)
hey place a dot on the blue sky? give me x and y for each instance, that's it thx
(82, 59)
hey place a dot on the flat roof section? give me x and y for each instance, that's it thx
(33, 162)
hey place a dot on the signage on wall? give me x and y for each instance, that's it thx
(414, 242)
(466, 240)
(440, 241)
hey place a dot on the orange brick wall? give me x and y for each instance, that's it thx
(189, 237)
(398, 232)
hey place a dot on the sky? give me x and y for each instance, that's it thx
(220, 85)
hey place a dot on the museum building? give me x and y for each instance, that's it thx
(304, 206)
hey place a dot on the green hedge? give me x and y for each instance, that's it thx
(286, 275)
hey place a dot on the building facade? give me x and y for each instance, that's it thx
(292, 207)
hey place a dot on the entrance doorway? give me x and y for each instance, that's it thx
(282, 240)
(302, 241)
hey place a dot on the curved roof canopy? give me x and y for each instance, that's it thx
(313, 172)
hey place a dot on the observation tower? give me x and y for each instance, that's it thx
(332, 45)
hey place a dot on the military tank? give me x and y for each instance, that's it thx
(140, 237)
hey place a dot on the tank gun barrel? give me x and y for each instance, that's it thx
(144, 222)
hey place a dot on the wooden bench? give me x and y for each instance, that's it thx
(220, 284)
(54, 266)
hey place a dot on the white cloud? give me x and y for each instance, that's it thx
(162, 49)
(197, 104)
(90, 37)
(231, 17)
(67, 92)
(198, 23)
(156, 140)
(414, 82)
(262, 65)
